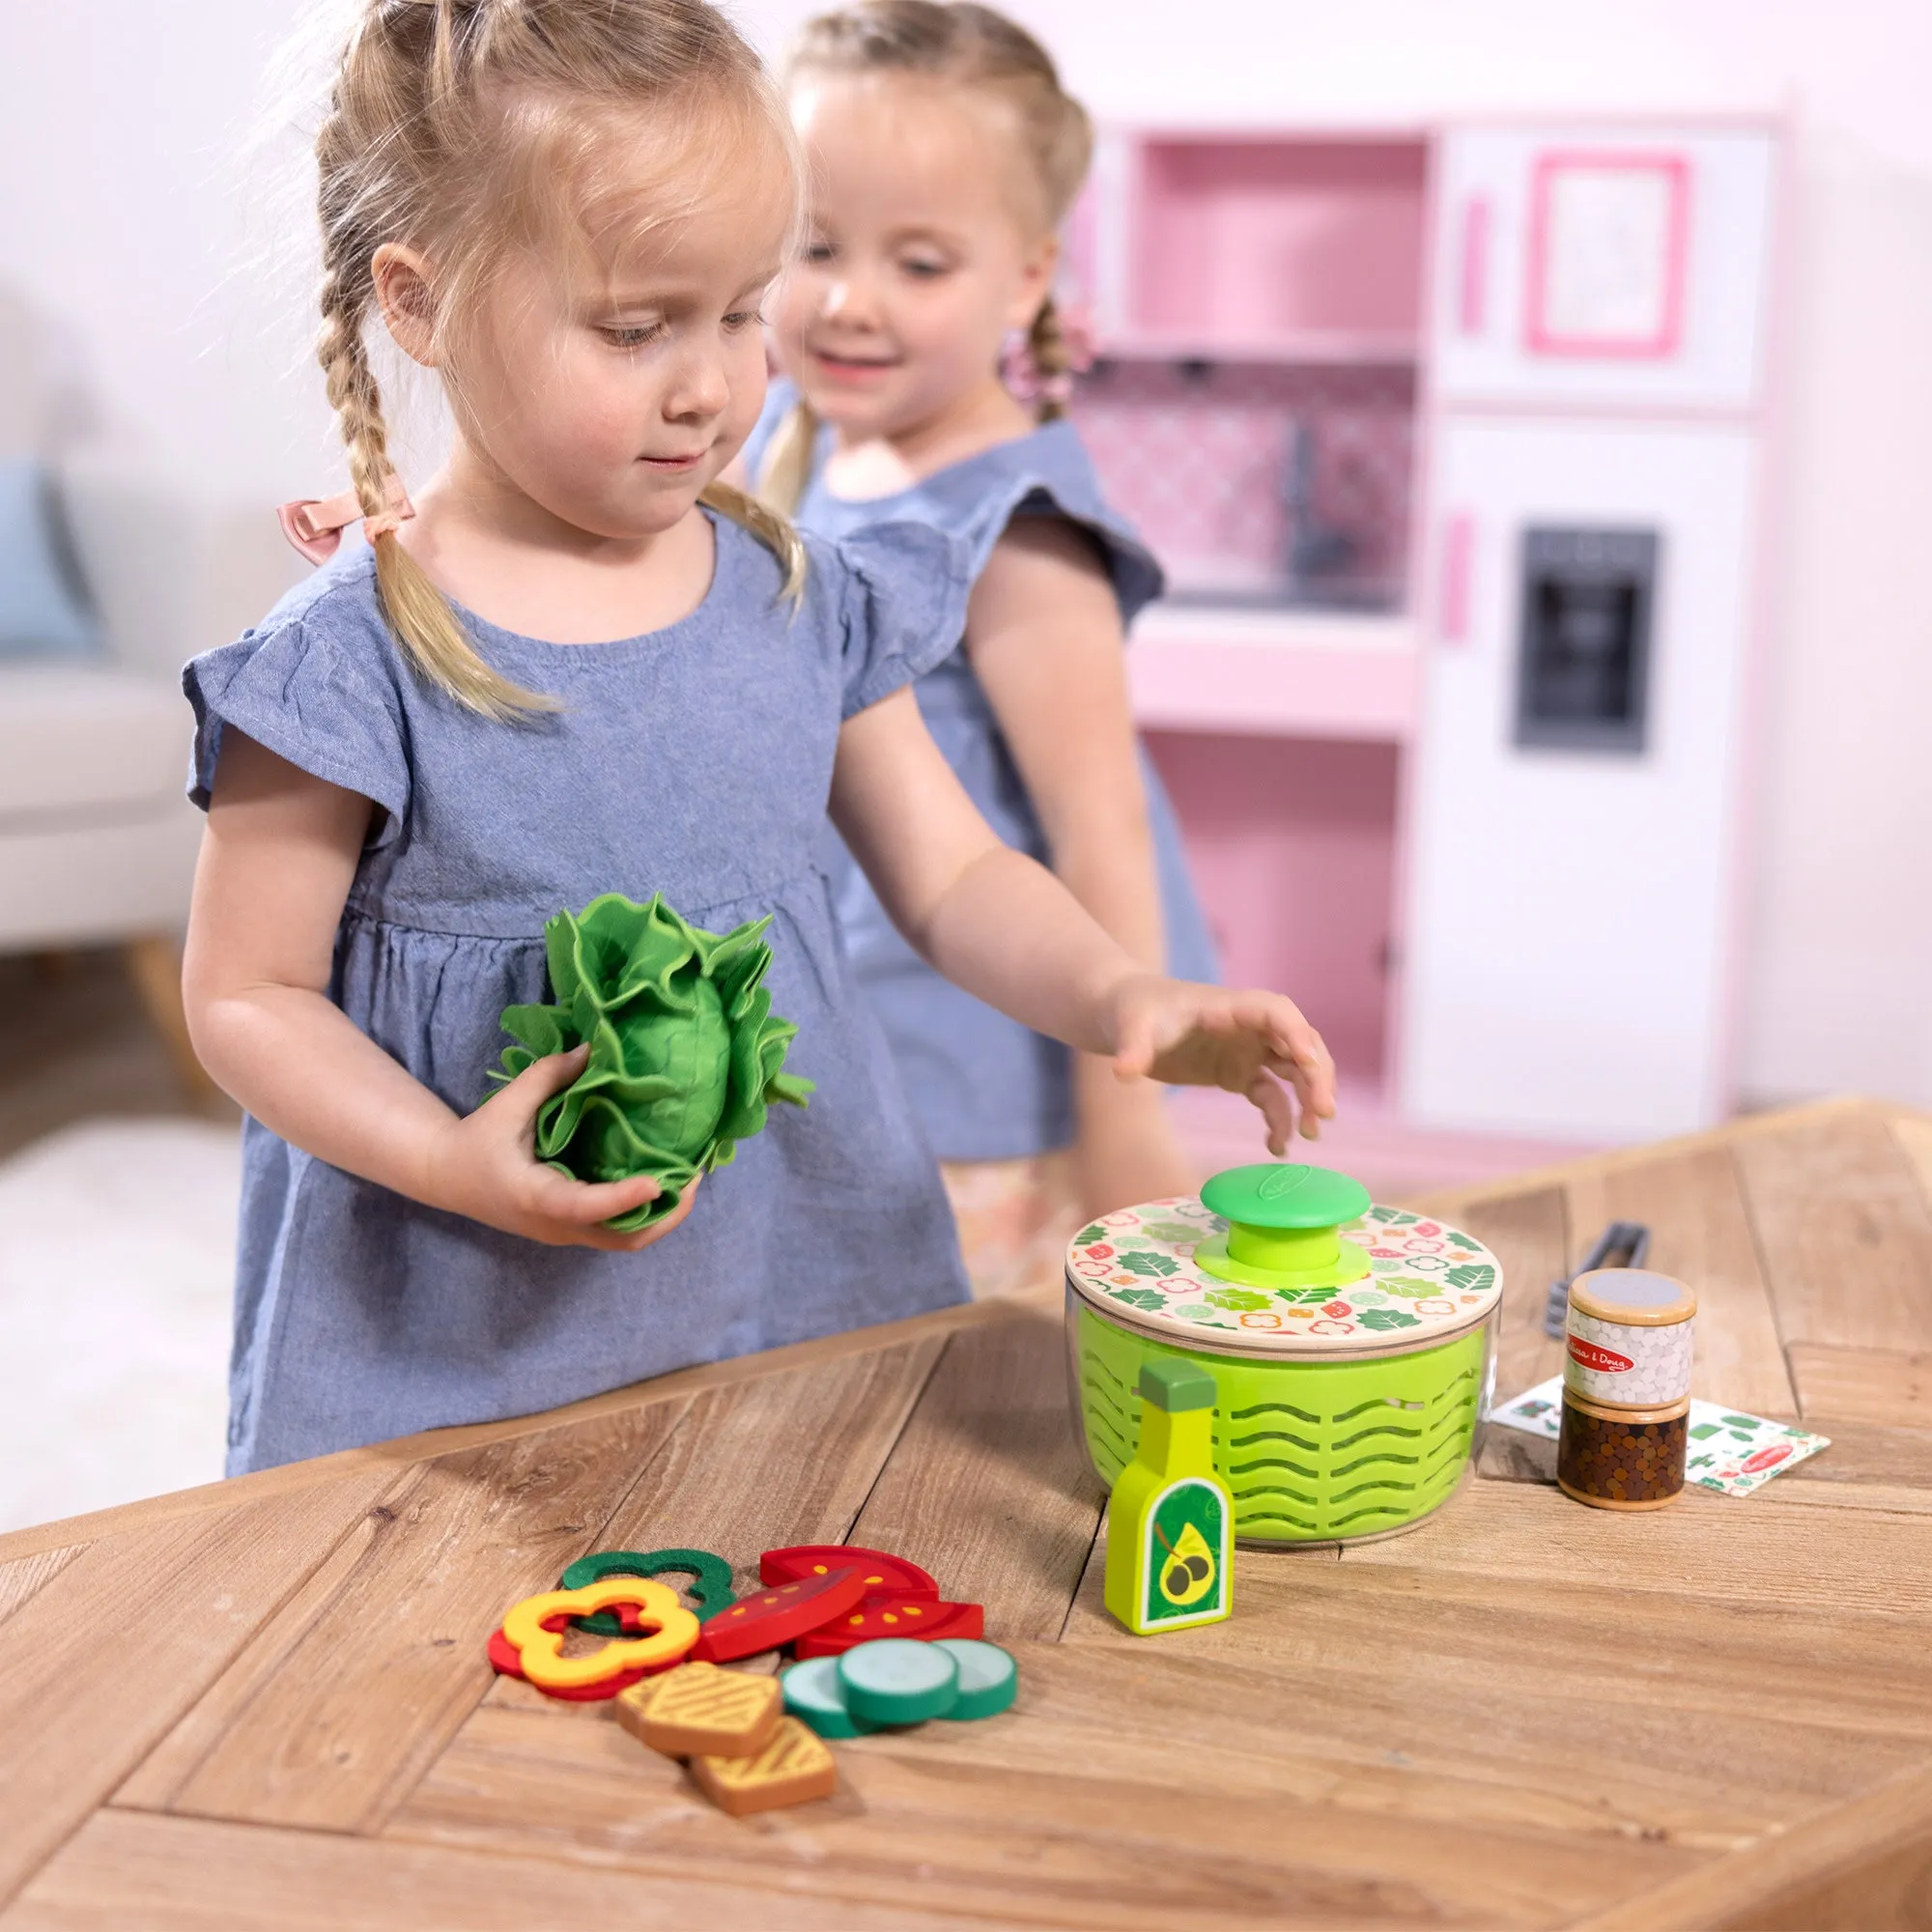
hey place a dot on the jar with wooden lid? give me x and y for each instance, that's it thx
(1622, 1459)
(1629, 1337)
(1625, 1389)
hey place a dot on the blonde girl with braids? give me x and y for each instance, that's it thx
(570, 663)
(943, 154)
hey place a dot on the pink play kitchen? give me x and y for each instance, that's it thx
(1452, 443)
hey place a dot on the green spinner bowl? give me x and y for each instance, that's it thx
(1352, 1346)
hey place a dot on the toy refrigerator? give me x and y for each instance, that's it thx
(1595, 370)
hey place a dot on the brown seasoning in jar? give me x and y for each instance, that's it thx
(1629, 1458)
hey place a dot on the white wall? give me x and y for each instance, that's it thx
(123, 218)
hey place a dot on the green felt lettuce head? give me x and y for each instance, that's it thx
(685, 1052)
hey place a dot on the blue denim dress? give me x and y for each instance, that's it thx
(985, 1087)
(693, 761)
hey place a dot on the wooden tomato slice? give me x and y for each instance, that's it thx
(883, 1614)
(772, 1617)
(893, 1573)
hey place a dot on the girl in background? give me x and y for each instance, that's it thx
(943, 156)
(579, 664)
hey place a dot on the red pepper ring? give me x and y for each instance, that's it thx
(536, 1628)
(508, 1662)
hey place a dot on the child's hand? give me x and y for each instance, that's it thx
(485, 1166)
(1191, 1036)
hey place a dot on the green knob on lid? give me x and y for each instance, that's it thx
(1282, 1220)
(1285, 1193)
(1174, 1386)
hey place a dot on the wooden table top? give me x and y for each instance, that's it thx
(264, 1704)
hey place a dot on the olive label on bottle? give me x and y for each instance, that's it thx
(1187, 1556)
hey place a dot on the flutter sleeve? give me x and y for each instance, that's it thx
(1050, 474)
(1131, 568)
(902, 591)
(302, 690)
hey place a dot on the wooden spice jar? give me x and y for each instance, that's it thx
(1622, 1459)
(1625, 1389)
(1630, 1336)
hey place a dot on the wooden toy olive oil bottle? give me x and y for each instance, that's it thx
(1170, 1524)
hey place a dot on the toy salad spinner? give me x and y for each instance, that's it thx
(1352, 1346)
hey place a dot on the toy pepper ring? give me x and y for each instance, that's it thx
(710, 1588)
(504, 1660)
(669, 1631)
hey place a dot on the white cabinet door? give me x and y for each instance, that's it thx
(1601, 268)
(1565, 955)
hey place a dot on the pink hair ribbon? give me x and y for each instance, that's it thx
(1024, 376)
(315, 524)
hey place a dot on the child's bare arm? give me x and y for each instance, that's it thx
(1006, 930)
(277, 862)
(1043, 632)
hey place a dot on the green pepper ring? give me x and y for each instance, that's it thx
(710, 1588)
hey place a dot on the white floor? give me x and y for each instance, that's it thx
(116, 1255)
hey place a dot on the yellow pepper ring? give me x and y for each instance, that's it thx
(670, 1630)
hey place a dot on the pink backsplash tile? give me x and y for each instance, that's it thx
(1198, 457)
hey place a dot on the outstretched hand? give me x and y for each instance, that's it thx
(485, 1166)
(1246, 1042)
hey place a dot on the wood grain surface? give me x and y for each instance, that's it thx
(997, 1403)
(189, 1875)
(1701, 1233)
(266, 1704)
(111, 1651)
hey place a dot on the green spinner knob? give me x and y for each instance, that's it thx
(1284, 1226)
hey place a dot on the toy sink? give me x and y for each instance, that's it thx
(1352, 1346)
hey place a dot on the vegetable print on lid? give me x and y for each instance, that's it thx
(1422, 1281)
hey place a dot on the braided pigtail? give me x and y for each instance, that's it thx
(768, 524)
(458, 127)
(419, 613)
(1053, 361)
(787, 469)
